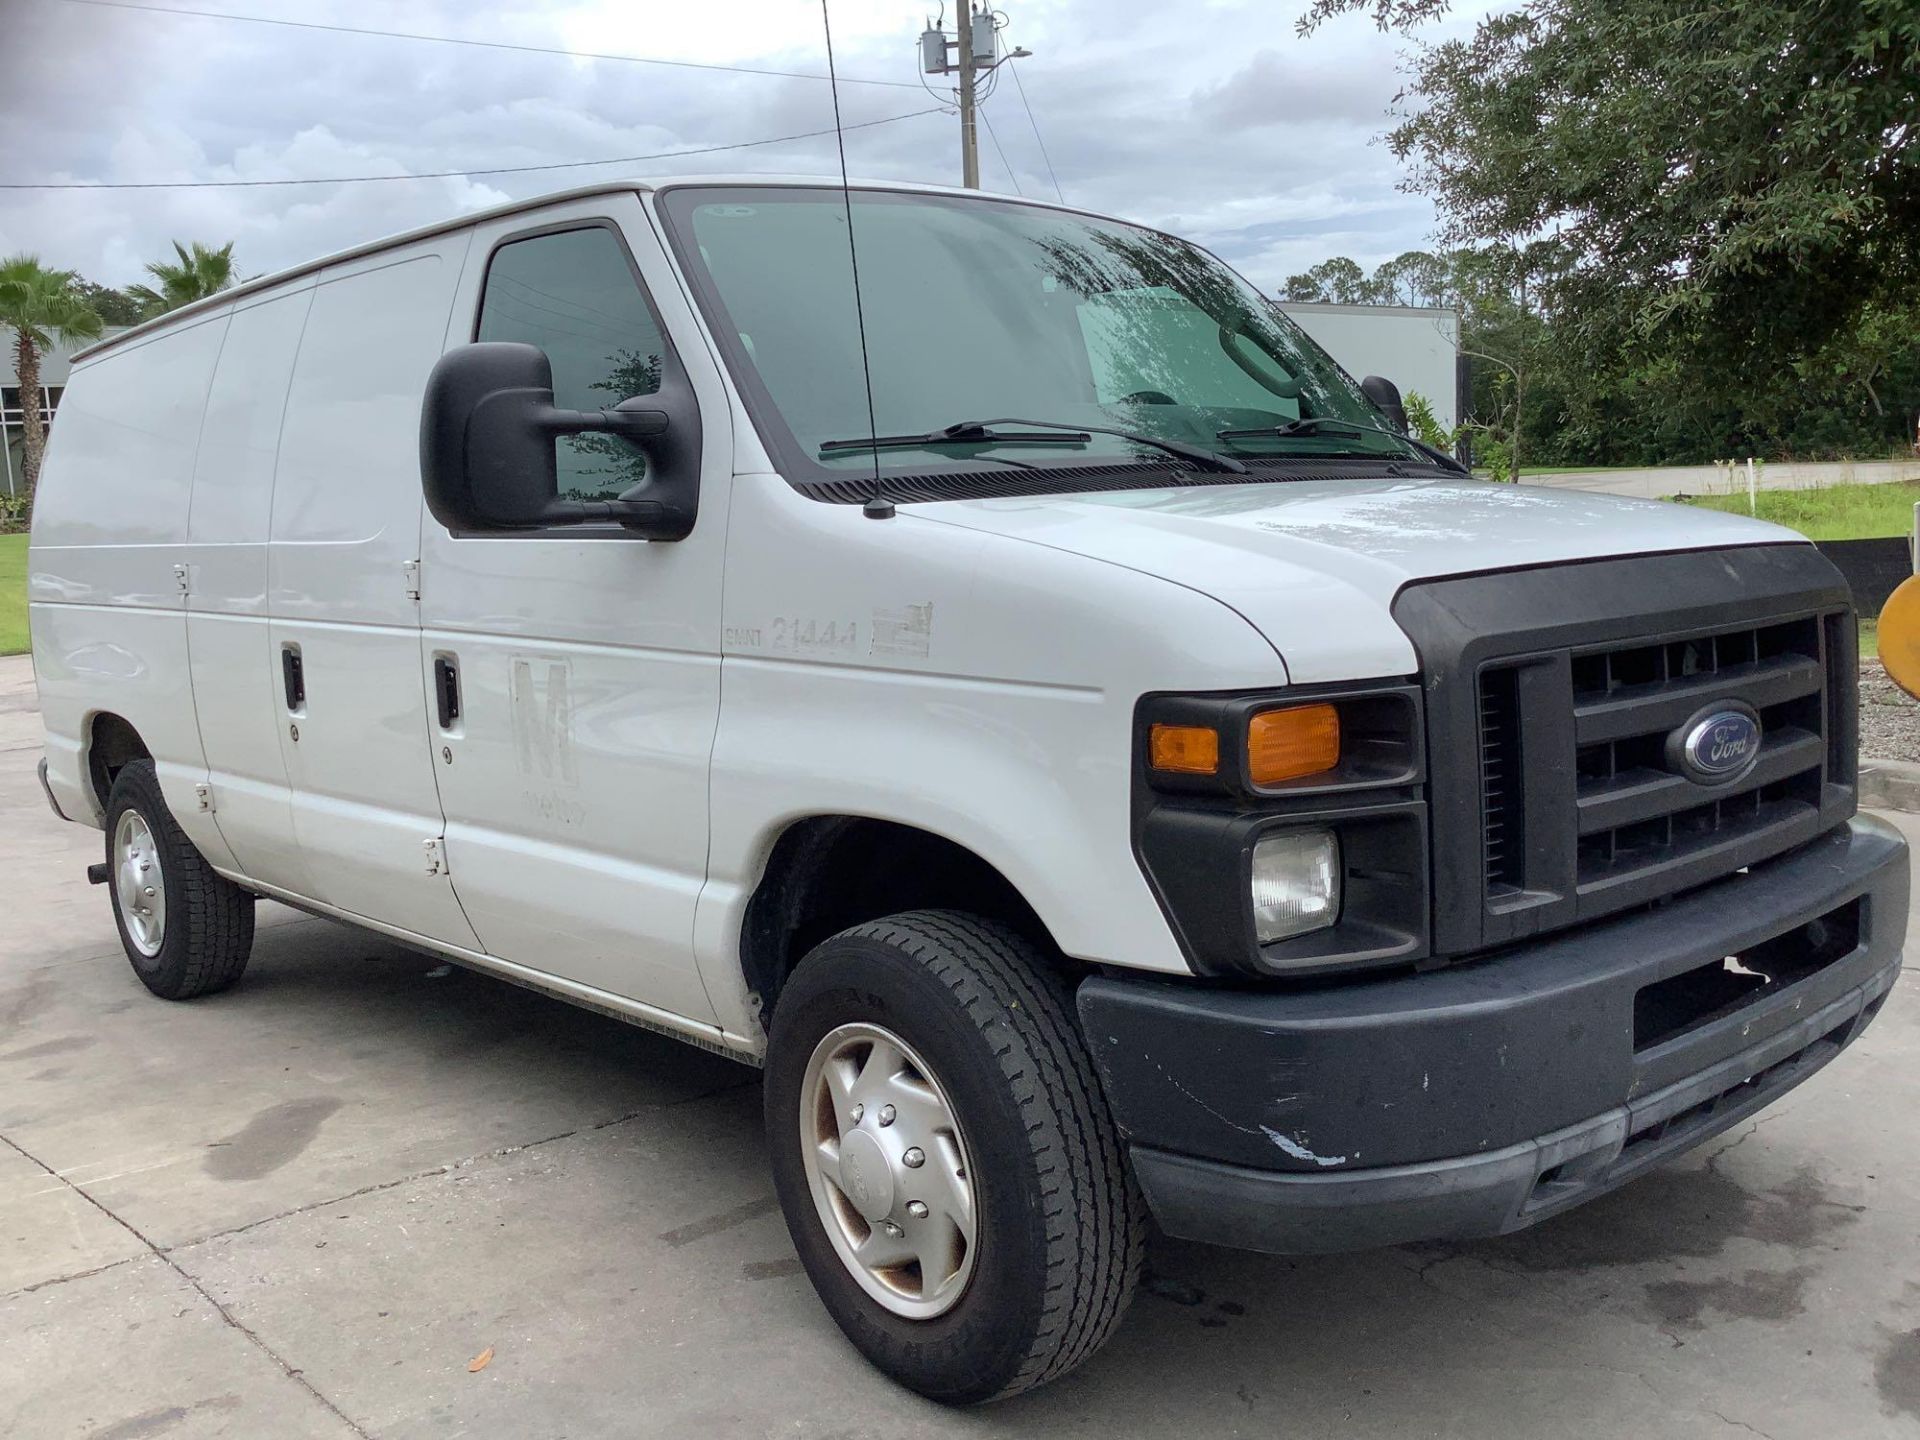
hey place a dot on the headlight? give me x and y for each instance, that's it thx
(1296, 883)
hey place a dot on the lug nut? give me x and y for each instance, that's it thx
(914, 1158)
(891, 1230)
(917, 1209)
(148, 892)
(858, 1111)
(886, 1114)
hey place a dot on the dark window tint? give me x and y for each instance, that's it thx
(575, 296)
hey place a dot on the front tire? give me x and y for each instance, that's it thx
(937, 1052)
(187, 931)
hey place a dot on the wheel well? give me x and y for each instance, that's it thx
(111, 743)
(831, 872)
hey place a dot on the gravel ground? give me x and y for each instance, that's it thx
(1889, 717)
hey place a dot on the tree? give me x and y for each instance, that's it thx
(114, 307)
(1728, 182)
(41, 307)
(1339, 281)
(200, 272)
(1412, 278)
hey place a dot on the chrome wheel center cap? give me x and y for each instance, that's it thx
(866, 1176)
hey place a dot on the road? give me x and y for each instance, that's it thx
(302, 1208)
(1654, 484)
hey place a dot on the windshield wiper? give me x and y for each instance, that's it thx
(1202, 457)
(1052, 432)
(969, 432)
(1308, 425)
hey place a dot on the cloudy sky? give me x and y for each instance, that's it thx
(1208, 117)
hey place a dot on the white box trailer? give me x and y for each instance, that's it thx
(1415, 346)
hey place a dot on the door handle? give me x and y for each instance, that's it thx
(293, 678)
(446, 689)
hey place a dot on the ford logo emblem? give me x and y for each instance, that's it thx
(1719, 744)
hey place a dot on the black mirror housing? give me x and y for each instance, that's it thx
(488, 426)
(1385, 396)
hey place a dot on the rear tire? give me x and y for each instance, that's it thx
(187, 931)
(989, 1038)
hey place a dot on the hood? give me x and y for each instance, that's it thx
(1315, 565)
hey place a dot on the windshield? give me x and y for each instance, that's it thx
(976, 308)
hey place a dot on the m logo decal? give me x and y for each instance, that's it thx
(540, 690)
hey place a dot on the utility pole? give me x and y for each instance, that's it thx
(976, 49)
(969, 134)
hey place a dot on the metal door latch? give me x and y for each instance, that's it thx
(436, 858)
(181, 578)
(411, 572)
(203, 798)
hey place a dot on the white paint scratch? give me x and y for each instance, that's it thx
(1298, 1150)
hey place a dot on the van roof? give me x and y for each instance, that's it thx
(514, 207)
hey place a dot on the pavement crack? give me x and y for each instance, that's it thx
(75, 1275)
(225, 1314)
(1739, 1424)
(453, 1166)
(1712, 1166)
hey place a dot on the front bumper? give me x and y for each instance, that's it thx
(1480, 1099)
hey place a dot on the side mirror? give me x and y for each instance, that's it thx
(488, 426)
(1385, 396)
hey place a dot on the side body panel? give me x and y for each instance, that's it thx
(347, 506)
(973, 686)
(575, 779)
(107, 604)
(235, 675)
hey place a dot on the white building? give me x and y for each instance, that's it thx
(1416, 347)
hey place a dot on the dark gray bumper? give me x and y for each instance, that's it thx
(1480, 1099)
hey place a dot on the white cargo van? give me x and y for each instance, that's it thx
(1093, 761)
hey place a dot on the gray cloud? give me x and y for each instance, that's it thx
(1210, 119)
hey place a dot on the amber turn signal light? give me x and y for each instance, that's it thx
(1288, 744)
(1185, 749)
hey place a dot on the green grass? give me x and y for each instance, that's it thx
(1831, 512)
(13, 594)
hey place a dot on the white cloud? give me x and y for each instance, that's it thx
(1231, 130)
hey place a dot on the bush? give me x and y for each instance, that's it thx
(1424, 424)
(14, 511)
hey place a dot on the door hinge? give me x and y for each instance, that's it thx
(411, 571)
(203, 798)
(182, 577)
(436, 857)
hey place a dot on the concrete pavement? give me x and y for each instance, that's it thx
(303, 1207)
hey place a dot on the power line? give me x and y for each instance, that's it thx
(446, 174)
(1015, 68)
(1001, 153)
(480, 44)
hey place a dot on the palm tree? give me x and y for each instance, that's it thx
(41, 306)
(200, 272)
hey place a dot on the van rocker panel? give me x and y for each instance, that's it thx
(1472, 1100)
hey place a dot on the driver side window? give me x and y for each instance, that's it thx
(574, 294)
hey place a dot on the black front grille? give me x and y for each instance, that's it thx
(1503, 835)
(1635, 810)
(1562, 688)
